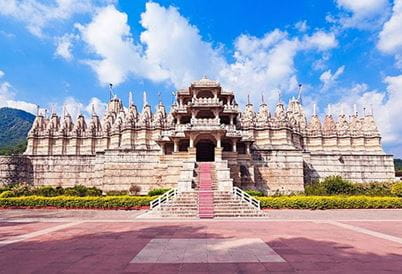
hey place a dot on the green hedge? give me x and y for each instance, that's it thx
(107, 202)
(330, 202)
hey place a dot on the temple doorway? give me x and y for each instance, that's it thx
(205, 151)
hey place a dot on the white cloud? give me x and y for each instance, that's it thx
(320, 40)
(1, 73)
(108, 35)
(328, 79)
(301, 26)
(176, 46)
(390, 37)
(7, 99)
(37, 15)
(171, 49)
(386, 106)
(64, 46)
(363, 14)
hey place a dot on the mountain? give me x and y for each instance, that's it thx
(14, 127)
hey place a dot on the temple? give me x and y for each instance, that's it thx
(273, 151)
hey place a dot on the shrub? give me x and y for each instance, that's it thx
(81, 191)
(254, 192)
(158, 191)
(330, 202)
(22, 189)
(134, 189)
(116, 193)
(7, 194)
(397, 189)
(374, 189)
(46, 191)
(110, 202)
(334, 185)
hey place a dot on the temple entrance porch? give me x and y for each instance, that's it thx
(205, 151)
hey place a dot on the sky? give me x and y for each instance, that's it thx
(344, 52)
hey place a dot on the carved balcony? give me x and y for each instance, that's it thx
(206, 102)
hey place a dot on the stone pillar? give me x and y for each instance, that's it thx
(191, 141)
(234, 146)
(248, 148)
(176, 145)
(231, 120)
(218, 141)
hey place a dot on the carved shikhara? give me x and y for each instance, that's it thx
(278, 151)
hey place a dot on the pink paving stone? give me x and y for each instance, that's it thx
(12, 229)
(108, 248)
(393, 228)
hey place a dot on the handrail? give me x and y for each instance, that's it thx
(166, 197)
(246, 197)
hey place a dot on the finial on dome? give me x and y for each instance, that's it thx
(355, 109)
(364, 111)
(93, 109)
(342, 111)
(329, 110)
(45, 113)
(159, 98)
(144, 99)
(262, 98)
(111, 94)
(299, 93)
(279, 96)
(248, 99)
(130, 98)
(37, 110)
(371, 110)
(314, 110)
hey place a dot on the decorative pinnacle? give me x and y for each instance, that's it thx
(342, 111)
(130, 98)
(262, 98)
(299, 93)
(93, 110)
(144, 99)
(37, 110)
(248, 99)
(329, 110)
(279, 96)
(355, 109)
(314, 110)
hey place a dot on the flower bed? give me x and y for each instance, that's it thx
(330, 202)
(108, 202)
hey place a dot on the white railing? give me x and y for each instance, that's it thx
(165, 198)
(246, 197)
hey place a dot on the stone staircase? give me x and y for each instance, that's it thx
(209, 199)
(205, 191)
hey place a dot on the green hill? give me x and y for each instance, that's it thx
(14, 127)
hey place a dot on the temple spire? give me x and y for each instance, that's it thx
(111, 94)
(299, 93)
(130, 98)
(262, 98)
(248, 99)
(93, 110)
(144, 99)
(314, 110)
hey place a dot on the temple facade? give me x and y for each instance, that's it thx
(277, 150)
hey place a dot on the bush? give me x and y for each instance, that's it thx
(330, 202)
(116, 193)
(335, 185)
(110, 202)
(46, 191)
(158, 191)
(374, 189)
(7, 194)
(397, 189)
(81, 191)
(22, 189)
(253, 192)
(134, 189)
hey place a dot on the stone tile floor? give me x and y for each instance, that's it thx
(34, 241)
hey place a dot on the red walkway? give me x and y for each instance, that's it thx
(205, 192)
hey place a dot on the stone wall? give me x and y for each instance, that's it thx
(354, 167)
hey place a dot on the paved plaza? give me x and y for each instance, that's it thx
(286, 241)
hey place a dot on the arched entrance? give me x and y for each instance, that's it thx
(205, 150)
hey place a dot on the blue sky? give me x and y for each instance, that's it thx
(344, 52)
